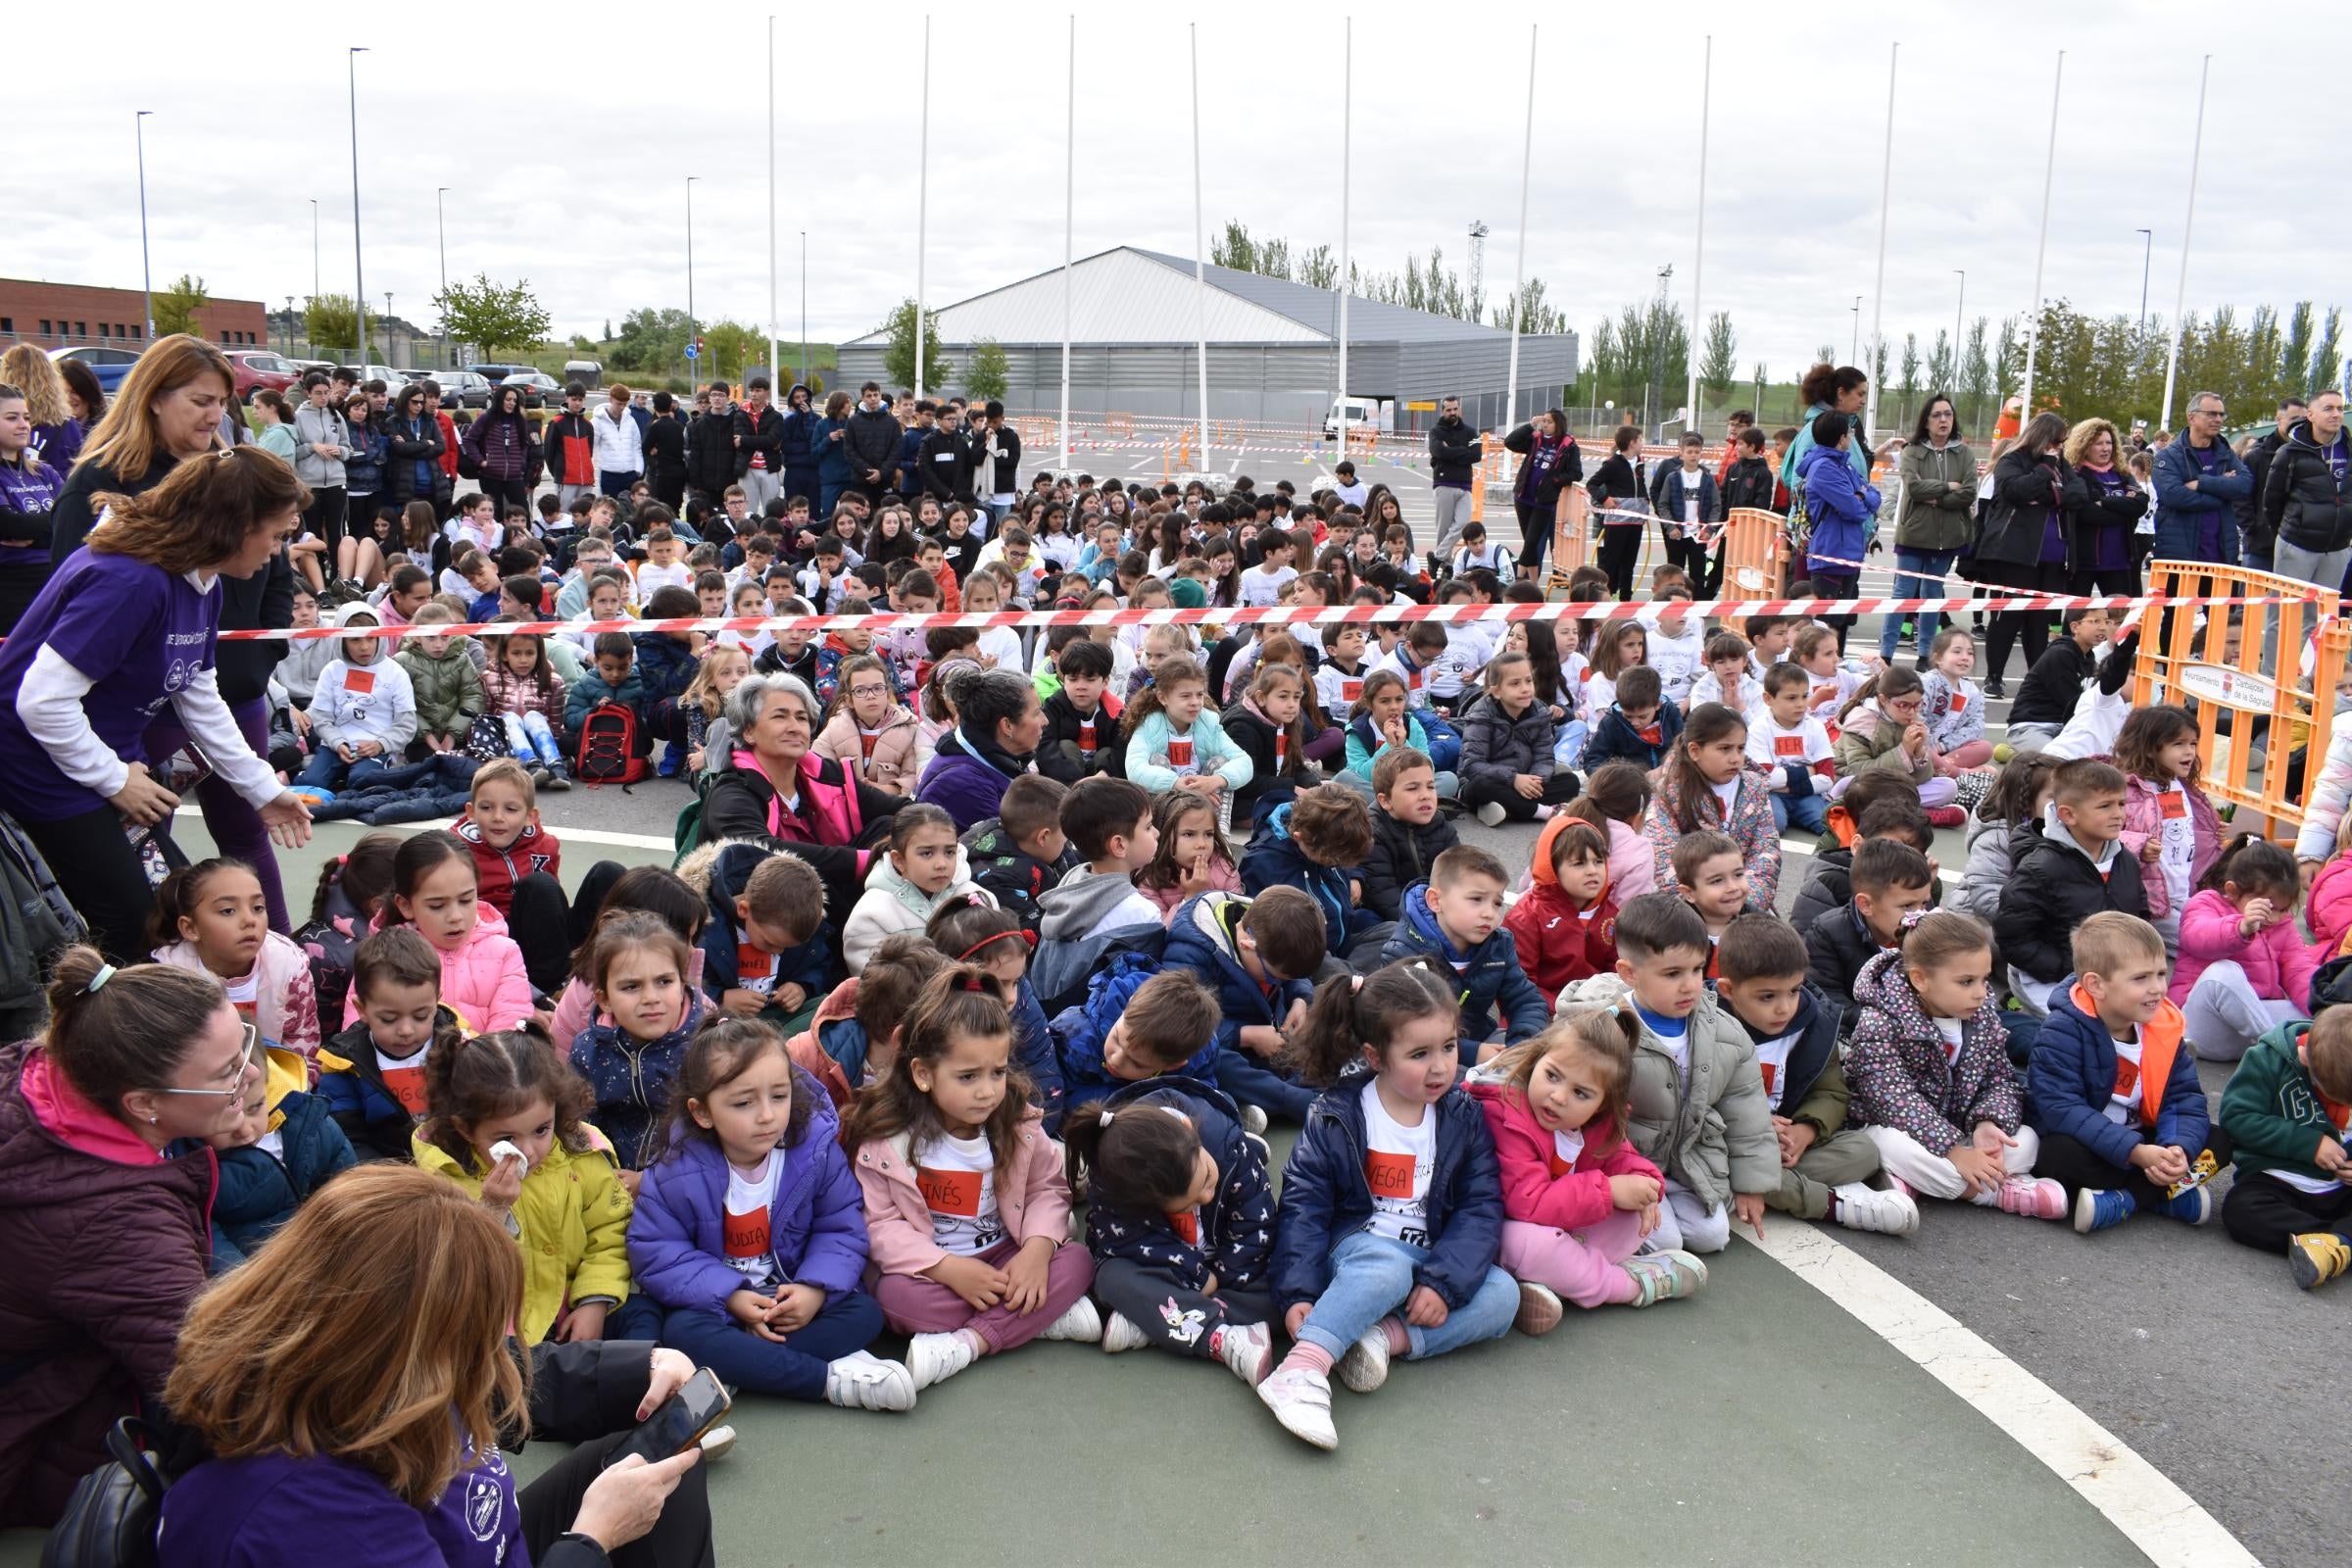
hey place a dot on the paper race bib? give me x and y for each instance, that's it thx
(1388, 1175)
(744, 1236)
(406, 1085)
(1086, 735)
(1789, 746)
(2173, 806)
(950, 1191)
(1180, 752)
(362, 681)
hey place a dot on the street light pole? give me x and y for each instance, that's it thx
(1855, 352)
(138, 125)
(289, 326)
(314, 285)
(804, 308)
(692, 363)
(2147, 251)
(442, 224)
(359, 267)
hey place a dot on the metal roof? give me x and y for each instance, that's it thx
(1128, 295)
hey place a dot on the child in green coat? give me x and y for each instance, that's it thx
(2287, 1110)
(449, 689)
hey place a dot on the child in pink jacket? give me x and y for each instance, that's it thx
(2168, 822)
(2330, 910)
(966, 1205)
(436, 888)
(2244, 968)
(1577, 1197)
(1620, 795)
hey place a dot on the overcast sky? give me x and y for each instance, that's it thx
(499, 103)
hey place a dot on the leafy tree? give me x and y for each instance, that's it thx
(1721, 360)
(986, 373)
(2327, 353)
(331, 324)
(1976, 374)
(1603, 362)
(729, 349)
(1878, 363)
(1319, 269)
(2009, 357)
(492, 316)
(1234, 248)
(175, 308)
(1943, 370)
(1826, 354)
(649, 339)
(898, 358)
(1910, 363)
(2294, 356)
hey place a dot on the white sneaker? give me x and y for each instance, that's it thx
(1248, 1353)
(716, 1444)
(1081, 1323)
(1365, 1366)
(1492, 814)
(1253, 1118)
(861, 1381)
(936, 1357)
(1266, 1150)
(1865, 1208)
(1540, 1309)
(1302, 1401)
(1119, 1333)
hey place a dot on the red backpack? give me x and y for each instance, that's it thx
(609, 747)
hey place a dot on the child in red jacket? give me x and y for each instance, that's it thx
(1577, 1198)
(1565, 924)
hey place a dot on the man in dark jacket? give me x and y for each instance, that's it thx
(2308, 496)
(1454, 452)
(2198, 479)
(945, 459)
(873, 442)
(711, 448)
(2256, 533)
(665, 454)
(999, 447)
(800, 445)
(758, 431)
(906, 465)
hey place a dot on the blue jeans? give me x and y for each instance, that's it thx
(616, 485)
(1808, 812)
(1370, 1278)
(1917, 575)
(847, 1323)
(326, 771)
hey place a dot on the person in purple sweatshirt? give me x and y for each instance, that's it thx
(29, 490)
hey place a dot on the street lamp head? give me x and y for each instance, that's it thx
(358, 49)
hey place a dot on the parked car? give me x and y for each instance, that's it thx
(109, 364)
(257, 369)
(461, 389)
(540, 390)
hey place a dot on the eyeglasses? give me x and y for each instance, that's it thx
(2209, 413)
(249, 1036)
(868, 690)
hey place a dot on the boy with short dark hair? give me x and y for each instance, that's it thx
(1108, 823)
(766, 948)
(1891, 883)
(2047, 698)
(1456, 918)
(371, 1075)
(1710, 872)
(1313, 842)
(1641, 727)
(2063, 869)
(1261, 955)
(1409, 830)
(852, 1038)
(2113, 1092)
(1082, 721)
(1136, 1023)
(1021, 854)
(612, 679)
(2285, 1114)
(1792, 748)
(1829, 880)
(1825, 1165)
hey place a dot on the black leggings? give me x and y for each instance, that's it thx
(2073, 1166)
(1559, 788)
(323, 516)
(99, 873)
(1535, 537)
(548, 927)
(510, 494)
(1620, 553)
(679, 1539)
(2032, 628)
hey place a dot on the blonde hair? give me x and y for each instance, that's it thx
(438, 1281)
(128, 439)
(703, 690)
(33, 374)
(2080, 438)
(508, 772)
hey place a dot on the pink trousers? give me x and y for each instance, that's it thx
(1584, 1266)
(913, 1304)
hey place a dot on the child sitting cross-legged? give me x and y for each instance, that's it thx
(1180, 1220)
(1408, 829)
(1565, 924)
(371, 1075)
(1826, 1165)
(1792, 747)
(1261, 957)
(2066, 866)
(2285, 1112)
(1706, 783)
(1578, 1199)
(1392, 1202)
(1930, 1073)
(1711, 876)
(1890, 882)
(1507, 737)
(1454, 919)
(363, 710)
(2244, 966)
(2113, 1093)
(971, 930)
(853, 1036)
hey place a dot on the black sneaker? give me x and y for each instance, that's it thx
(1994, 691)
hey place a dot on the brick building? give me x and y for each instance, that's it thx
(66, 315)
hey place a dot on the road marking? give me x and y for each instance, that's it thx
(569, 835)
(1792, 847)
(2131, 1494)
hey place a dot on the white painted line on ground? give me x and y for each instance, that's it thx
(2132, 1494)
(1792, 847)
(569, 835)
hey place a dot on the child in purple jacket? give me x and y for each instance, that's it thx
(749, 1230)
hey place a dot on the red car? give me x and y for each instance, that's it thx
(257, 369)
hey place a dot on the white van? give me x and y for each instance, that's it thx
(1360, 413)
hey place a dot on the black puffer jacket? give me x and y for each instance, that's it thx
(2306, 498)
(2052, 888)
(1454, 451)
(873, 443)
(711, 452)
(2026, 491)
(1401, 856)
(2257, 533)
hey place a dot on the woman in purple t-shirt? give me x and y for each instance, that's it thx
(124, 631)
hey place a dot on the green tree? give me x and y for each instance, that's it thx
(1234, 248)
(729, 349)
(1941, 377)
(175, 308)
(2294, 356)
(1319, 269)
(2327, 353)
(1910, 363)
(2009, 356)
(1975, 375)
(331, 325)
(986, 373)
(897, 358)
(1720, 363)
(492, 316)
(649, 339)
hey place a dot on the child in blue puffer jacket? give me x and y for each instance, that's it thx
(1392, 1204)
(283, 1148)
(1315, 844)
(1261, 955)
(646, 1011)
(749, 1230)
(1135, 1023)
(1454, 919)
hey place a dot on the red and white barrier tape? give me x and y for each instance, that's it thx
(1285, 615)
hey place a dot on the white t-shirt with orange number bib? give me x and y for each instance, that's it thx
(1771, 1061)
(744, 1228)
(1567, 1148)
(958, 1177)
(2316, 1186)
(1399, 1162)
(2124, 1102)
(404, 1079)
(2179, 853)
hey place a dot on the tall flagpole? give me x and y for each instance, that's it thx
(1200, 242)
(775, 371)
(2196, 152)
(1878, 287)
(1527, 155)
(922, 213)
(2033, 327)
(1070, 222)
(1699, 260)
(1346, 135)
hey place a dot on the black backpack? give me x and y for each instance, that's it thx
(111, 1519)
(2331, 986)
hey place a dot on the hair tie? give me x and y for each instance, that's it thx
(1912, 918)
(1355, 982)
(106, 972)
(1107, 1115)
(970, 982)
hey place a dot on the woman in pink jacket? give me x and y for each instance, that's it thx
(966, 1205)
(436, 889)
(1577, 1197)
(2244, 968)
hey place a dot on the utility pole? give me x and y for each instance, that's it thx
(359, 295)
(1855, 352)
(2147, 252)
(138, 125)
(442, 224)
(693, 355)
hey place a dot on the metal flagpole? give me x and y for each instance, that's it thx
(1069, 220)
(1698, 261)
(138, 125)
(1346, 135)
(922, 213)
(775, 371)
(1877, 288)
(2048, 167)
(1527, 155)
(2196, 152)
(358, 301)
(1199, 243)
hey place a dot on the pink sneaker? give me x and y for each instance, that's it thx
(2034, 1196)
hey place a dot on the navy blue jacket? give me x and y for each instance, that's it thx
(1325, 1198)
(808, 965)
(2072, 1079)
(2182, 513)
(1237, 1226)
(258, 1191)
(1816, 1028)
(632, 1081)
(1614, 739)
(665, 668)
(351, 1086)
(1079, 1033)
(1488, 976)
(1015, 877)
(1200, 939)
(1273, 860)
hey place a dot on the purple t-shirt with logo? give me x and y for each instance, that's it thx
(140, 633)
(276, 1509)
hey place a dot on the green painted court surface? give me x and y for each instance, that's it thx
(1757, 1424)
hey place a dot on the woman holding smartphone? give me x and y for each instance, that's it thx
(381, 1448)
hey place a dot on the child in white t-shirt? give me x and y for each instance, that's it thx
(1262, 584)
(1793, 749)
(1675, 644)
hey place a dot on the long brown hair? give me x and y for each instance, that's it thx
(127, 440)
(958, 1002)
(1685, 785)
(203, 511)
(35, 373)
(437, 1280)
(1605, 1037)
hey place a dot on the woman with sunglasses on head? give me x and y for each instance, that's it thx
(106, 1237)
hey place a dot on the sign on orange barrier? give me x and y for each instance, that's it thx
(1752, 553)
